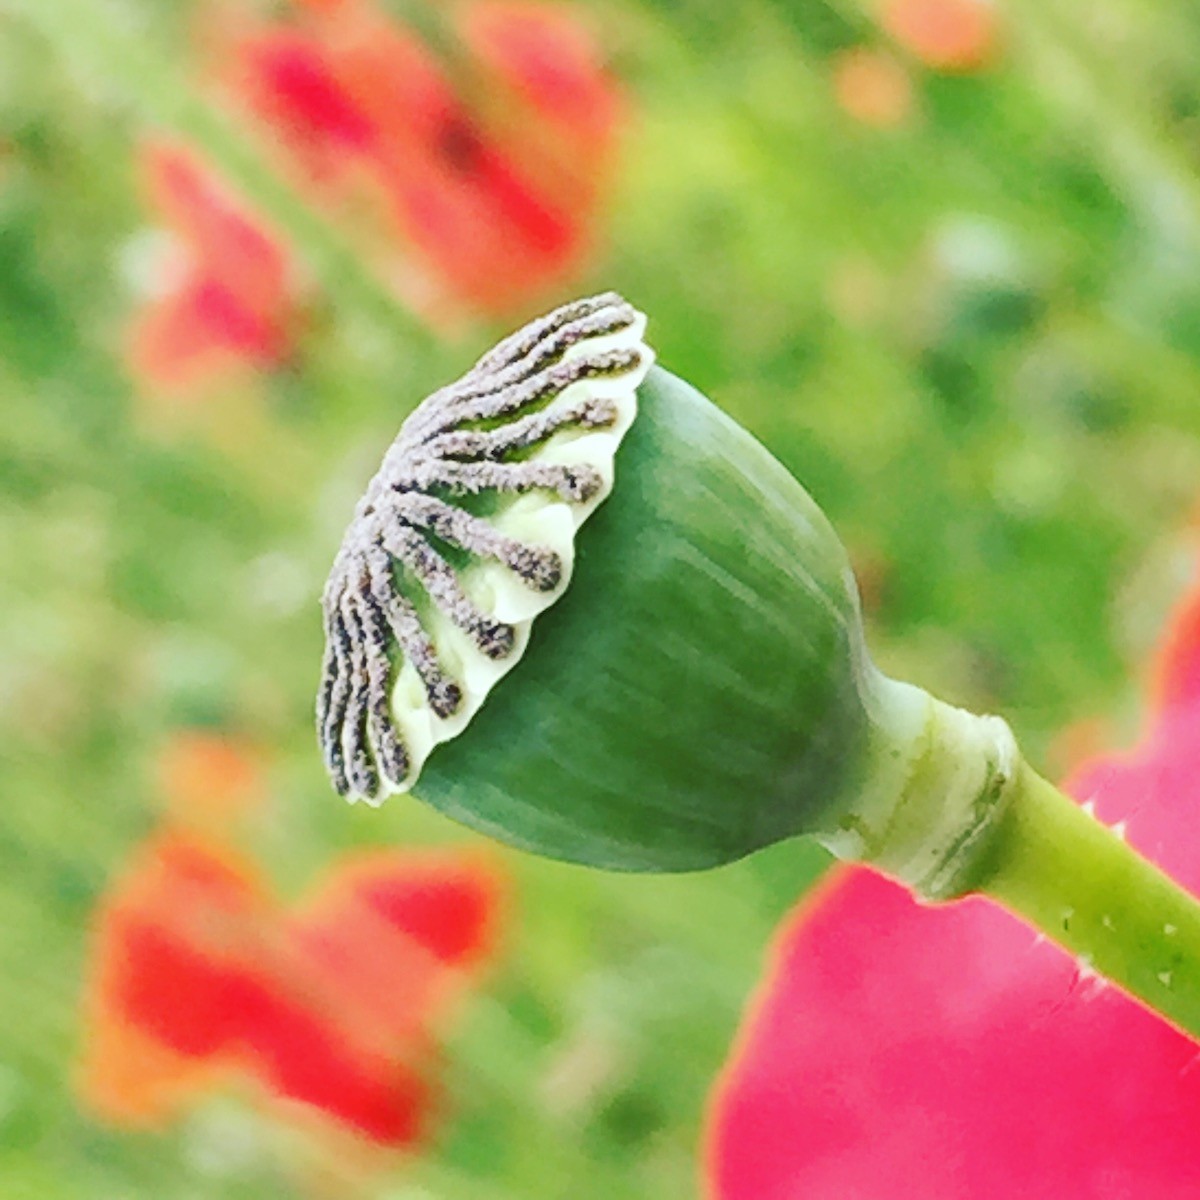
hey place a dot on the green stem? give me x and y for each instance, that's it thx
(1069, 875)
(89, 37)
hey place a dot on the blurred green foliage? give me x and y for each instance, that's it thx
(975, 337)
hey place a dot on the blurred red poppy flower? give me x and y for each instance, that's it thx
(199, 974)
(488, 168)
(947, 1053)
(947, 35)
(224, 293)
(474, 171)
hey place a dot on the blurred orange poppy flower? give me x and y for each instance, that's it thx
(199, 974)
(947, 35)
(208, 776)
(872, 87)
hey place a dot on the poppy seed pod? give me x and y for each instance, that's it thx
(667, 620)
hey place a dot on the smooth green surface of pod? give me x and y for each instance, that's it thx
(700, 690)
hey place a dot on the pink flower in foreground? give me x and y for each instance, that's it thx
(904, 1053)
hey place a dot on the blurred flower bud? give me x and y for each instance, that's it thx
(697, 685)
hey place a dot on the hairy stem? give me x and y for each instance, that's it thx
(1076, 880)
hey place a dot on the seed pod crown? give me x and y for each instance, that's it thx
(698, 684)
(465, 534)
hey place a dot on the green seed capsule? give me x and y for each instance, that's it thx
(695, 685)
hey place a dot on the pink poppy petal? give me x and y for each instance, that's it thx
(948, 1054)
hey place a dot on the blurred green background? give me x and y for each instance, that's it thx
(962, 305)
